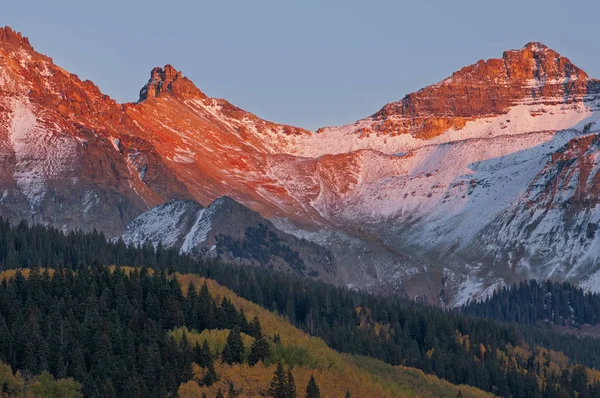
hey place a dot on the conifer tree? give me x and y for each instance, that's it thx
(219, 393)
(232, 352)
(278, 388)
(254, 327)
(231, 392)
(187, 358)
(260, 349)
(290, 386)
(211, 374)
(312, 390)
(202, 355)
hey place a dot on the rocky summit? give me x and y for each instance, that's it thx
(487, 177)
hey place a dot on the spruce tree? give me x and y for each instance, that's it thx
(232, 352)
(211, 374)
(312, 390)
(202, 355)
(290, 385)
(198, 354)
(219, 393)
(231, 392)
(186, 358)
(260, 350)
(278, 388)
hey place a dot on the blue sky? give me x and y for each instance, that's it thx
(307, 63)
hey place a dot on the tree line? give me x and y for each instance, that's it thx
(109, 330)
(532, 302)
(453, 346)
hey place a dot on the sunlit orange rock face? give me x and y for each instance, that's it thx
(430, 176)
(176, 142)
(167, 80)
(214, 147)
(532, 75)
(571, 180)
(70, 155)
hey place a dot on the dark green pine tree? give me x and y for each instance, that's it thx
(211, 374)
(312, 389)
(202, 355)
(186, 358)
(260, 349)
(579, 379)
(254, 327)
(231, 392)
(290, 385)
(460, 394)
(220, 394)
(232, 352)
(348, 395)
(278, 388)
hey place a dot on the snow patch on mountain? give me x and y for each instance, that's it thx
(467, 286)
(164, 223)
(523, 118)
(40, 154)
(184, 224)
(184, 155)
(199, 231)
(592, 283)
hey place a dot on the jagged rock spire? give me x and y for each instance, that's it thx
(12, 39)
(168, 80)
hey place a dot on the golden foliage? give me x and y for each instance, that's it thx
(216, 338)
(335, 373)
(390, 382)
(464, 341)
(191, 389)
(10, 273)
(271, 323)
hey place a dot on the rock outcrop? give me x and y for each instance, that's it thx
(168, 80)
(534, 74)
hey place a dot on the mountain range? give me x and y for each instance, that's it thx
(472, 183)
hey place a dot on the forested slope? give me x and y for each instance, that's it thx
(136, 333)
(532, 302)
(452, 346)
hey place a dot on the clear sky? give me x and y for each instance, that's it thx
(306, 63)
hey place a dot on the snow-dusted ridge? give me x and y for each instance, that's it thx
(520, 119)
(488, 176)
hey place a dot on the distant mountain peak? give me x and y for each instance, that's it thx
(12, 39)
(533, 75)
(517, 67)
(168, 80)
(536, 46)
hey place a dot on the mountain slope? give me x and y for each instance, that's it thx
(129, 315)
(445, 195)
(69, 155)
(228, 231)
(335, 373)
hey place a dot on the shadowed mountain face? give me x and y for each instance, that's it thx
(486, 177)
(231, 232)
